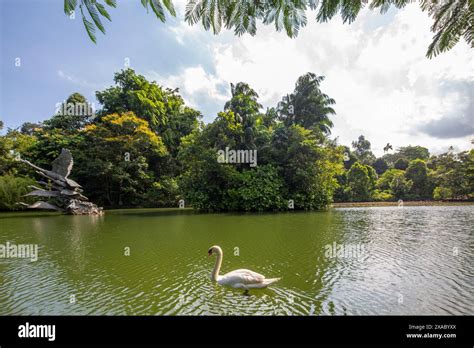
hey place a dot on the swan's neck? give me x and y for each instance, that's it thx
(217, 267)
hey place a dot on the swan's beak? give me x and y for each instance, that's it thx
(209, 252)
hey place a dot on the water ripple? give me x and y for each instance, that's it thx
(415, 260)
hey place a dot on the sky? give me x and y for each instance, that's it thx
(375, 68)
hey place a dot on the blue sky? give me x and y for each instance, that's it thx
(375, 68)
(57, 58)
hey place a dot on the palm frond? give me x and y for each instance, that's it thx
(94, 14)
(158, 9)
(170, 7)
(69, 6)
(111, 3)
(103, 11)
(90, 28)
(453, 19)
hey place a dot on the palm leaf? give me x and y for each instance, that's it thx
(90, 28)
(103, 11)
(170, 7)
(158, 9)
(94, 14)
(111, 3)
(69, 6)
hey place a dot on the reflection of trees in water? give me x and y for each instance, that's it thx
(348, 228)
(44, 286)
(67, 239)
(295, 240)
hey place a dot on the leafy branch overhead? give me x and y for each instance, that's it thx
(453, 19)
(94, 9)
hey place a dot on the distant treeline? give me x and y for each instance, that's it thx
(146, 148)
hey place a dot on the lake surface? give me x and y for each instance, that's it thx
(410, 260)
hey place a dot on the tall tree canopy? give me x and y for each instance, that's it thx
(163, 109)
(362, 150)
(121, 159)
(244, 104)
(294, 162)
(115, 157)
(73, 114)
(308, 106)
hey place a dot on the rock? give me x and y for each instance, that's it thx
(77, 207)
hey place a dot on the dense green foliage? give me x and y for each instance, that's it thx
(408, 173)
(361, 182)
(362, 150)
(401, 164)
(452, 18)
(12, 190)
(146, 148)
(294, 163)
(125, 155)
(307, 106)
(75, 113)
(440, 193)
(119, 151)
(380, 166)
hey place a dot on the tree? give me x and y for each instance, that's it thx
(244, 101)
(12, 189)
(244, 104)
(349, 157)
(440, 193)
(467, 159)
(454, 172)
(29, 128)
(382, 196)
(163, 109)
(114, 158)
(134, 93)
(414, 152)
(307, 106)
(452, 18)
(362, 150)
(361, 180)
(417, 172)
(383, 182)
(380, 166)
(309, 168)
(12, 145)
(401, 164)
(205, 184)
(260, 189)
(293, 162)
(399, 185)
(269, 118)
(74, 114)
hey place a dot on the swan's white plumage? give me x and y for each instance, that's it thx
(240, 278)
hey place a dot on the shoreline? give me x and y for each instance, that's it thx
(33, 213)
(392, 204)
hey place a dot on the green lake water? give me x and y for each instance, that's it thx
(410, 260)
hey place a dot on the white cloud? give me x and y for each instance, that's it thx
(78, 81)
(194, 83)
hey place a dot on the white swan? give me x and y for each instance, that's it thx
(240, 278)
